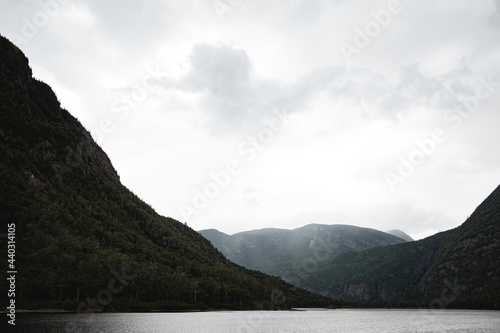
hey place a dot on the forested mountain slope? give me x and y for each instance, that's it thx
(85, 241)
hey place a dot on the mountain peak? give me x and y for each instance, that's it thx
(400, 234)
(45, 126)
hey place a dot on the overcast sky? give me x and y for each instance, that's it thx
(239, 114)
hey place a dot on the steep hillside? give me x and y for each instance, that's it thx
(85, 241)
(456, 268)
(468, 262)
(286, 253)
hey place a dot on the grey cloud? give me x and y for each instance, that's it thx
(222, 70)
(235, 97)
(494, 19)
(380, 96)
(222, 73)
(251, 196)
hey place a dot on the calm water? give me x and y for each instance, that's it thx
(267, 321)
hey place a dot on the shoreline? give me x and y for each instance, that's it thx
(61, 311)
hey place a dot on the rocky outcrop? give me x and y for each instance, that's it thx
(358, 291)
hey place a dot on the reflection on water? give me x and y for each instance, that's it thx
(344, 320)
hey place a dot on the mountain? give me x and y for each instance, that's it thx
(285, 253)
(456, 268)
(400, 234)
(214, 236)
(82, 240)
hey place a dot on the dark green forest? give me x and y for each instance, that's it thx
(83, 240)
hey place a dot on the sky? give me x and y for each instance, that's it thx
(240, 115)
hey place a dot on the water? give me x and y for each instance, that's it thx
(344, 320)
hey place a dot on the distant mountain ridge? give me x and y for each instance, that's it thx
(280, 252)
(458, 268)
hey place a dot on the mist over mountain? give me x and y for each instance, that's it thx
(280, 252)
(458, 268)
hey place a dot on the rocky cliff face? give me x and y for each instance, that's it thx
(17, 82)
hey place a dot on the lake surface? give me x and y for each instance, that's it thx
(343, 320)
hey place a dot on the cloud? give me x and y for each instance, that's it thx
(235, 97)
(494, 19)
(252, 197)
(222, 73)
(394, 97)
(221, 69)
